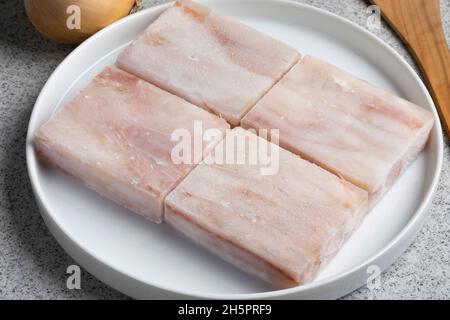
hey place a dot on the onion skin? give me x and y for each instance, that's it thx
(50, 17)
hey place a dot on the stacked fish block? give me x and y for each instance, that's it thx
(343, 142)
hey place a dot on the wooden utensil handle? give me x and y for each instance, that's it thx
(418, 22)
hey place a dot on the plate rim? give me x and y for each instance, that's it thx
(408, 232)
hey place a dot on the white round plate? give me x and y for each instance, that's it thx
(146, 260)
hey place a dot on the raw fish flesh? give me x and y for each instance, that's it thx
(282, 228)
(115, 137)
(347, 126)
(208, 59)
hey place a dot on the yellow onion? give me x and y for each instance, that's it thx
(73, 21)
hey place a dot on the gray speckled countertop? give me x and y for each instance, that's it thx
(33, 265)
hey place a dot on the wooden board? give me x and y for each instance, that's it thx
(418, 22)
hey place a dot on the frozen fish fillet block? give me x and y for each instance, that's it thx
(282, 228)
(115, 138)
(208, 59)
(344, 124)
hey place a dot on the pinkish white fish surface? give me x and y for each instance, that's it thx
(282, 228)
(115, 137)
(208, 59)
(349, 127)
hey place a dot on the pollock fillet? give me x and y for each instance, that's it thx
(282, 228)
(344, 124)
(115, 137)
(208, 59)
